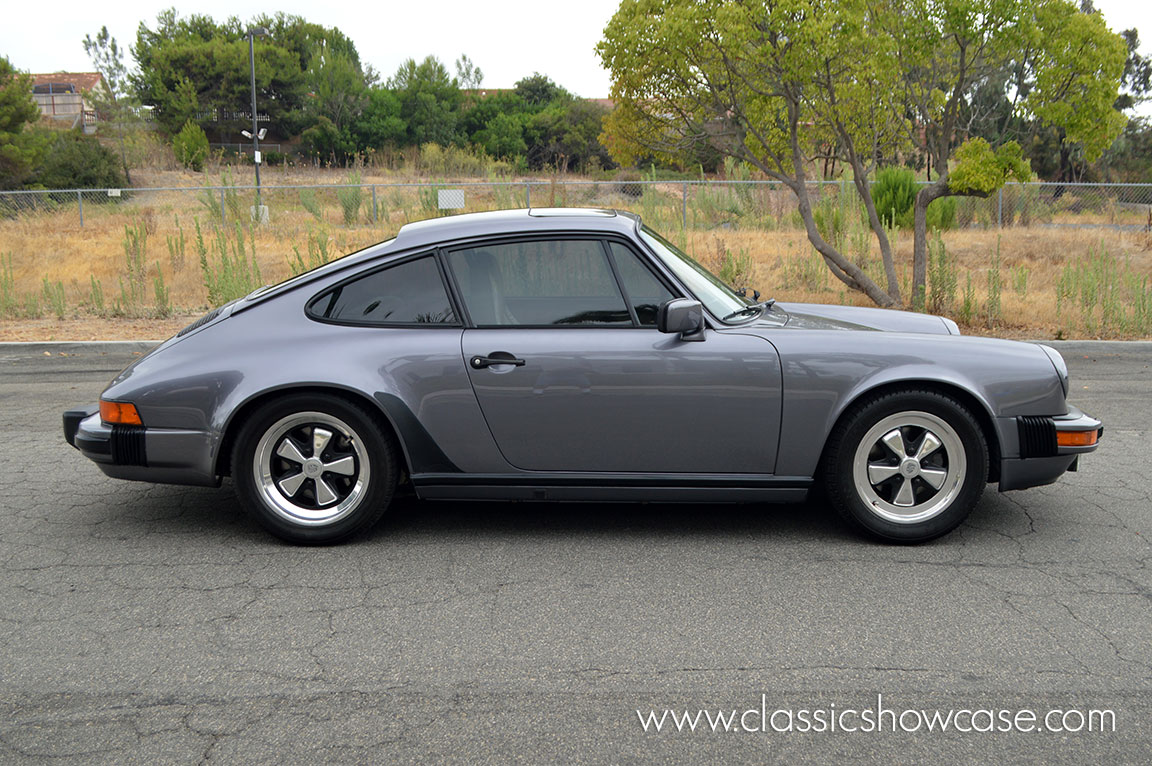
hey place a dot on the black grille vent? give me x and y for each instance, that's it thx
(199, 322)
(1037, 436)
(128, 445)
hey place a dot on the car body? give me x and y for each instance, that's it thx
(574, 354)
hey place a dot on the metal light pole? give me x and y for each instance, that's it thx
(252, 34)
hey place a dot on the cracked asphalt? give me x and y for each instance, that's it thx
(154, 624)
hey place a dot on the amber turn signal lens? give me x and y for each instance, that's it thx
(120, 413)
(1076, 438)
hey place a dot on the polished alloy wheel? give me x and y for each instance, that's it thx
(311, 468)
(909, 467)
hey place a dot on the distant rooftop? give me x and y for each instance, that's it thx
(59, 82)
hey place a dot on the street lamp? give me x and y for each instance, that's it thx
(255, 135)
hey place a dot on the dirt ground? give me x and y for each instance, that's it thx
(90, 328)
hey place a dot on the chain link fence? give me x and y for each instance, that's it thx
(152, 252)
(665, 204)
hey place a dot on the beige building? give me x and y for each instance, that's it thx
(65, 97)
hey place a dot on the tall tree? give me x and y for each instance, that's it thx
(1067, 67)
(116, 101)
(769, 84)
(1137, 79)
(429, 100)
(780, 84)
(338, 92)
(193, 67)
(21, 150)
(537, 90)
(468, 75)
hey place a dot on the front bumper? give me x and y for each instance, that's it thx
(136, 453)
(1042, 460)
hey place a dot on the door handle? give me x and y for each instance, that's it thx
(480, 362)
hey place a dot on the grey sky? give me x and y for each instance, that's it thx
(507, 39)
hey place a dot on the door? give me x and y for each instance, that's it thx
(571, 374)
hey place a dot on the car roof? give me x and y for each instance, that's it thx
(496, 222)
(435, 231)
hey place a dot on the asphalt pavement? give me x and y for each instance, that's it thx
(153, 624)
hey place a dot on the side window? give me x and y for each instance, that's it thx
(645, 291)
(410, 293)
(562, 282)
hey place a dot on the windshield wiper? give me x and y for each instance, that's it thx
(757, 307)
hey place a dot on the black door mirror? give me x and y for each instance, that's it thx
(683, 316)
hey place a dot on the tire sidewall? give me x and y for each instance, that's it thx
(378, 449)
(841, 485)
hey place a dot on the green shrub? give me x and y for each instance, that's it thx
(351, 198)
(133, 283)
(894, 194)
(191, 146)
(318, 253)
(942, 278)
(9, 301)
(76, 161)
(54, 297)
(309, 203)
(163, 304)
(830, 220)
(96, 296)
(230, 271)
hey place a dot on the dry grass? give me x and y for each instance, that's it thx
(780, 260)
(785, 267)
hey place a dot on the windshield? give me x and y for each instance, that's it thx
(716, 296)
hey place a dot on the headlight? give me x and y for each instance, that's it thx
(1059, 364)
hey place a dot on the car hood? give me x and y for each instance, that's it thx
(820, 316)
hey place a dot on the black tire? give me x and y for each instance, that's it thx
(897, 498)
(306, 498)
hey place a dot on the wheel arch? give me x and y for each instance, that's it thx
(235, 422)
(975, 404)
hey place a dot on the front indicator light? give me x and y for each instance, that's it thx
(119, 413)
(1076, 438)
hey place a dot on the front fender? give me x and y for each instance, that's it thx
(825, 372)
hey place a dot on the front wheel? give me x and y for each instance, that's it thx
(906, 466)
(314, 468)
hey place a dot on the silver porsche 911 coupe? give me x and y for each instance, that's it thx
(573, 354)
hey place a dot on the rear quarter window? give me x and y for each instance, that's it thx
(410, 293)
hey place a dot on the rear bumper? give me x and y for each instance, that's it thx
(1042, 460)
(136, 453)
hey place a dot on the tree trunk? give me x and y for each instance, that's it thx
(843, 269)
(924, 198)
(860, 178)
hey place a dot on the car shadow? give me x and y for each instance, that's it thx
(217, 512)
(409, 516)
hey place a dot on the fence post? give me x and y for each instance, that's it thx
(1000, 208)
(80, 205)
(684, 210)
(222, 221)
(527, 194)
(373, 203)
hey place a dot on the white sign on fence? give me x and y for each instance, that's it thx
(450, 199)
(113, 192)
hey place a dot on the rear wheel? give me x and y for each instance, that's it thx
(314, 468)
(906, 466)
